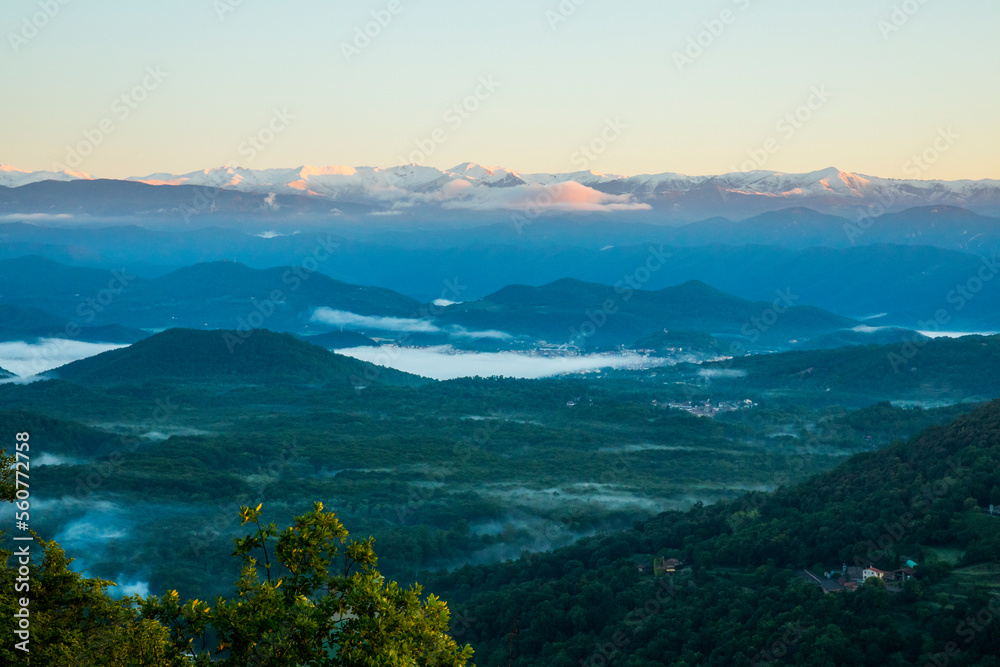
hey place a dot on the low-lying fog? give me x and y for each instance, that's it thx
(26, 359)
(446, 363)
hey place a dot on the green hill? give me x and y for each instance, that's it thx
(849, 337)
(742, 598)
(565, 309)
(56, 436)
(945, 369)
(231, 357)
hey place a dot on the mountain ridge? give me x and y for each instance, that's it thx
(470, 186)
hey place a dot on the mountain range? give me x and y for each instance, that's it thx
(470, 187)
(590, 313)
(44, 299)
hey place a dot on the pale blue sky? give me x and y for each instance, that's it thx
(890, 95)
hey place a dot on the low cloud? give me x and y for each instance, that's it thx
(445, 363)
(354, 322)
(349, 320)
(55, 217)
(722, 373)
(564, 197)
(271, 234)
(462, 332)
(28, 359)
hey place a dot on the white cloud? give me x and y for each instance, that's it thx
(462, 332)
(569, 196)
(28, 359)
(271, 234)
(55, 217)
(444, 363)
(348, 320)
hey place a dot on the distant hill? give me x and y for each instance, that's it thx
(855, 276)
(873, 336)
(557, 312)
(947, 227)
(790, 227)
(60, 289)
(5, 374)
(226, 357)
(27, 324)
(107, 197)
(340, 340)
(945, 369)
(211, 295)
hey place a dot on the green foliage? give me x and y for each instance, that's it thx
(739, 603)
(320, 602)
(943, 369)
(316, 599)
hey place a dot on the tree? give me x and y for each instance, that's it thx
(311, 597)
(310, 602)
(72, 619)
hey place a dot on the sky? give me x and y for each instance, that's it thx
(120, 89)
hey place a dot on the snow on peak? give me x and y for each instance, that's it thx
(472, 185)
(12, 177)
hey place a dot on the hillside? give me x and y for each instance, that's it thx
(947, 227)
(851, 337)
(223, 295)
(108, 197)
(27, 324)
(36, 282)
(737, 599)
(228, 357)
(949, 369)
(340, 340)
(620, 314)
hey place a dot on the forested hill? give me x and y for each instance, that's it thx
(555, 310)
(951, 369)
(225, 356)
(741, 598)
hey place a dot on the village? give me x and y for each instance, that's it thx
(707, 408)
(851, 577)
(847, 580)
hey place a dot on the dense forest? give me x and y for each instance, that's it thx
(538, 509)
(738, 600)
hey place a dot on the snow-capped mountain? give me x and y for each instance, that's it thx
(411, 184)
(477, 187)
(13, 177)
